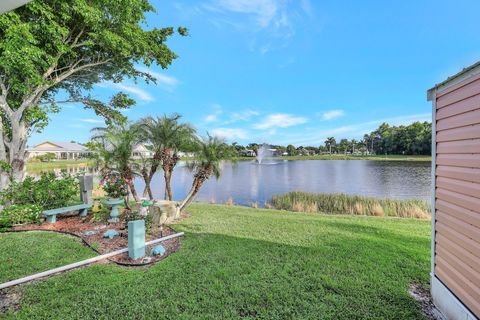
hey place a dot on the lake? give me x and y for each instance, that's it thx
(247, 182)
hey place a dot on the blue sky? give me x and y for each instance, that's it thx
(297, 71)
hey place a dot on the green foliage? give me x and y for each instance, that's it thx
(51, 45)
(333, 203)
(5, 166)
(47, 157)
(19, 213)
(414, 139)
(114, 185)
(46, 192)
(210, 154)
(101, 212)
(168, 133)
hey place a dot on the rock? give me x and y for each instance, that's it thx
(165, 211)
(110, 234)
(158, 250)
(147, 260)
(90, 233)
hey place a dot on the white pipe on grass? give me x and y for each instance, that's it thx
(80, 263)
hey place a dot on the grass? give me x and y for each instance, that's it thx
(338, 203)
(242, 263)
(27, 253)
(59, 164)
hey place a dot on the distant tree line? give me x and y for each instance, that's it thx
(413, 139)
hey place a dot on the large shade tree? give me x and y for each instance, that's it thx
(52, 48)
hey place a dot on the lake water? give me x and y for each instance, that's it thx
(247, 182)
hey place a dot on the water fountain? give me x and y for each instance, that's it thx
(264, 153)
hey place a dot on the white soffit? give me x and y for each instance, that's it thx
(7, 5)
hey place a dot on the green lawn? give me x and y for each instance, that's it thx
(238, 263)
(59, 164)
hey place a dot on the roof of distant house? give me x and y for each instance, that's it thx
(59, 146)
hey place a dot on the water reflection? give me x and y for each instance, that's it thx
(246, 183)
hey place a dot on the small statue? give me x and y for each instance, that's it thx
(143, 211)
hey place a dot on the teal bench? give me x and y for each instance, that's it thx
(51, 214)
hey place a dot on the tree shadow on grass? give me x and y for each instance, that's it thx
(219, 276)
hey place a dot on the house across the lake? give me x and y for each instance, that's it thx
(141, 151)
(61, 150)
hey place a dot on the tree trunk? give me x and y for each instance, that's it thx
(196, 185)
(131, 185)
(147, 191)
(168, 188)
(169, 161)
(15, 155)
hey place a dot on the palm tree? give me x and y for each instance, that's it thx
(167, 137)
(329, 143)
(114, 152)
(211, 153)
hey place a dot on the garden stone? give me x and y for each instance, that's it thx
(90, 233)
(110, 234)
(158, 250)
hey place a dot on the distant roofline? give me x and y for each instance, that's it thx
(456, 78)
(46, 141)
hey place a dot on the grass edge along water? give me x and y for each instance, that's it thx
(340, 203)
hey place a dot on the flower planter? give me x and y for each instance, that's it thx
(114, 203)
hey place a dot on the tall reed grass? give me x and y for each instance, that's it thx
(339, 203)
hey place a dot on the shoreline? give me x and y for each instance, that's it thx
(59, 164)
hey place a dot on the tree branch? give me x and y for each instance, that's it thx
(3, 99)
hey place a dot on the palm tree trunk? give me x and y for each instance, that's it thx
(131, 185)
(196, 185)
(147, 191)
(168, 188)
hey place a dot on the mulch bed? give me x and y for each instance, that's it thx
(77, 226)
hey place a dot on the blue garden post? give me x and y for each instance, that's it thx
(136, 239)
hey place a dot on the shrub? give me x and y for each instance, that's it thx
(114, 185)
(46, 192)
(19, 213)
(47, 157)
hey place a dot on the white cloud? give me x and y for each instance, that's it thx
(332, 114)
(242, 116)
(213, 117)
(265, 11)
(129, 88)
(168, 83)
(268, 24)
(92, 120)
(354, 130)
(230, 133)
(280, 120)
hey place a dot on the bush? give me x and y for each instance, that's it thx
(19, 213)
(46, 192)
(115, 186)
(47, 157)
